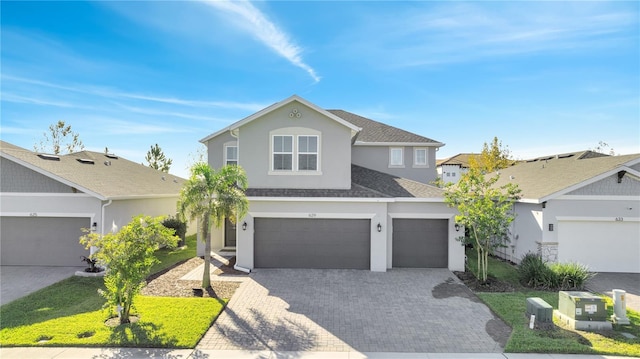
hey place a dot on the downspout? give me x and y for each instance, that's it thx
(235, 133)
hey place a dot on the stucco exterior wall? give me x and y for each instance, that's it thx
(50, 205)
(526, 232)
(17, 178)
(254, 147)
(120, 212)
(377, 158)
(215, 149)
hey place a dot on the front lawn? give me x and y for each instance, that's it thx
(69, 313)
(169, 257)
(511, 307)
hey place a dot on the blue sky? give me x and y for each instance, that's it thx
(544, 77)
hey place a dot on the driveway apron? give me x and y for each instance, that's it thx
(402, 310)
(605, 283)
(18, 281)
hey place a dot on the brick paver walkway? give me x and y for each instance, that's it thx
(402, 310)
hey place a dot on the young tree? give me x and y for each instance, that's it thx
(492, 158)
(157, 160)
(485, 210)
(60, 137)
(129, 255)
(210, 196)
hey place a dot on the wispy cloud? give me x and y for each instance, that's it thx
(434, 34)
(259, 26)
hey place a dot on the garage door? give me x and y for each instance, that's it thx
(312, 243)
(420, 243)
(603, 246)
(43, 241)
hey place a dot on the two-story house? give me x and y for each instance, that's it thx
(451, 169)
(331, 189)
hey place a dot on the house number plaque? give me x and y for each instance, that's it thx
(312, 215)
(619, 219)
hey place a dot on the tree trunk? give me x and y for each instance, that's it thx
(206, 276)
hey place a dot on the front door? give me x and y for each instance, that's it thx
(229, 233)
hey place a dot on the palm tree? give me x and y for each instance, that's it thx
(210, 196)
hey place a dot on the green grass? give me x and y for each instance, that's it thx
(511, 308)
(69, 313)
(169, 257)
(497, 268)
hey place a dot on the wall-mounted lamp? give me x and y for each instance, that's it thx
(550, 227)
(94, 226)
(457, 227)
(379, 227)
(544, 204)
(244, 226)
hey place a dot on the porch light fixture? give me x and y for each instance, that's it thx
(457, 227)
(94, 226)
(244, 226)
(550, 227)
(379, 227)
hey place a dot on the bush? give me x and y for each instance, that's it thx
(533, 272)
(179, 226)
(571, 276)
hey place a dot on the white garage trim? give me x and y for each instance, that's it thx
(422, 215)
(312, 215)
(47, 214)
(598, 219)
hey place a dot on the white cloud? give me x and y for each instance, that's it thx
(258, 25)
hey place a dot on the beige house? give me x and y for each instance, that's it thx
(45, 201)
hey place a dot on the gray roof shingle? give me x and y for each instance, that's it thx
(107, 176)
(545, 176)
(374, 131)
(366, 183)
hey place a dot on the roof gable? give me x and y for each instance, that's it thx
(295, 98)
(549, 177)
(99, 175)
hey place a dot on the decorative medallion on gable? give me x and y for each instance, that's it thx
(295, 113)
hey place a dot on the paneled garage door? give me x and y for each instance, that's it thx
(42, 241)
(603, 246)
(420, 243)
(312, 243)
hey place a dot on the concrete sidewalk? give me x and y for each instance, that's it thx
(134, 353)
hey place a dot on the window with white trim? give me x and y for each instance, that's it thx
(419, 156)
(282, 153)
(396, 156)
(307, 153)
(231, 155)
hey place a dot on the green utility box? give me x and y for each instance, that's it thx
(541, 309)
(582, 306)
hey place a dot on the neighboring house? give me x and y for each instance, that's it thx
(331, 189)
(451, 169)
(582, 207)
(45, 201)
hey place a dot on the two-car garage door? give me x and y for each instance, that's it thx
(312, 243)
(42, 241)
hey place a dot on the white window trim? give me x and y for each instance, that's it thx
(415, 157)
(292, 153)
(295, 132)
(225, 160)
(401, 165)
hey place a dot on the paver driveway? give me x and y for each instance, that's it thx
(402, 310)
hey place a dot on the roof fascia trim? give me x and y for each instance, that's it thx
(52, 176)
(412, 144)
(354, 129)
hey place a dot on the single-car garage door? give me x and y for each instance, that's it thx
(420, 243)
(312, 243)
(42, 241)
(604, 246)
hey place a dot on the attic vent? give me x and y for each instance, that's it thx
(45, 156)
(533, 160)
(163, 178)
(107, 163)
(86, 161)
(566, 156)
(175, 180)
(111, 155)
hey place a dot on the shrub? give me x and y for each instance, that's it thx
(571, 276)
(533, 272)
(179, 226)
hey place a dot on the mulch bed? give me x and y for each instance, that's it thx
(167, 283)
(491, 285)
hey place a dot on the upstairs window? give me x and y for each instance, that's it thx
(231, 155)
(420, 157)
(307, 153)
(396, 156)
(282, 153)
